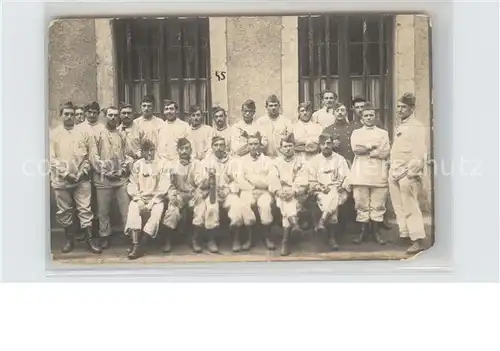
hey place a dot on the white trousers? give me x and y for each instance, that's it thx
(404, 198)
(370, 203)
(231, 203)
(263, 200)
(134, 219)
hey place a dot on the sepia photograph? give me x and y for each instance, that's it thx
(240, 139)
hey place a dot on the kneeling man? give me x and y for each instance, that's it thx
(255, 172)
(291, 188)
(149, 182)
(219, 169)
(327, 180)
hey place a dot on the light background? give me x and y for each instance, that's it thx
(465, 53)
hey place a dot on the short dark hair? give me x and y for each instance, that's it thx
(249, 104)
(357, 98)
(125, 105)
(307, 105)
(322, 94)
(194, 108)
(216, 109)
(323, 137)
(147, 144)
(93, 106)
(148, 98)
(255, 135)
(272, 98)
(288, 138)
(110, 108)
(368, 107)
(167, 102)
(66, 105)
(183, 141)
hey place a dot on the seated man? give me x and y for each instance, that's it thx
(255, 173)
(219, 169)
(327, 180)
(291, 188)
(187, 190)
(149, 182)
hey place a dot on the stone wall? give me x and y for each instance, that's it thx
(72, 64)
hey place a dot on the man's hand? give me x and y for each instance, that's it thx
(141, 205)
(149, 206)
(71, 178)
(223, 192)
(326, 189)
(336, 143)
(288, 194)
(197, 197)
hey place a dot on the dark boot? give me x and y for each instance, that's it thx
(418, 245)
(212, 244)
(376, 233)
(247, 245)
(69, 241)
(269, 243)
(235, 231)
(320, 227)
(105, 242)
(167, 239)
(136, 251)
(385, 225)
(332, 233)
(196, 240)
(90, 243)
(285, 246)
(365, 228)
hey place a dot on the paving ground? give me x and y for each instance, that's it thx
(303, 249)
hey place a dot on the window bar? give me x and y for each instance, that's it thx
(319, 37)
(344, 69)
(382, 72)
(130, 79)
(301, 60)
(146, 56)
(161, 66)
(366, 67)
(208, 91)
(180, 33)
(327, 52)
(197, 51)
(167, 27)
(311, 61)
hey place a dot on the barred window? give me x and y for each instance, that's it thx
(349, 54)
(166, 57)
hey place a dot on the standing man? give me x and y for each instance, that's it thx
(324, 116)
(219, 170)
(149, 183)
(188, 190)
(70, 169)
(405, 174)
(148, 125)
(357, 107)
(111, 172)
(93, 126)
(173, 130)
(272, 127)
(368, 175)
(306, 133)
(291, 189)
(200, 135)
(243, 128)
(130, 132)
(256, 176)
(327, 182)
(222, 126)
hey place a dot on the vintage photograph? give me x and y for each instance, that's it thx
(242, 138)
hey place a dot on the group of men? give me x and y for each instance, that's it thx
(161, 171)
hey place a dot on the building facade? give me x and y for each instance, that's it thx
(226, 60)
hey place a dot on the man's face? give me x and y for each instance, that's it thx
(358, 107)
(287, 149)
(196, 118)
(147, 109)
(340, 113)
(326, 147)
(220, 119)
(79, 115)
(148, 155)
(404, 110)
(92, 115)
(112, 118)
(126, 116)
(254, 146)
(248, 114)
(219, 148)
(68, 115)
(184, 151)
(368, 117)
(273, 108)
(170, 112)
(304, 115)
(328, 100)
